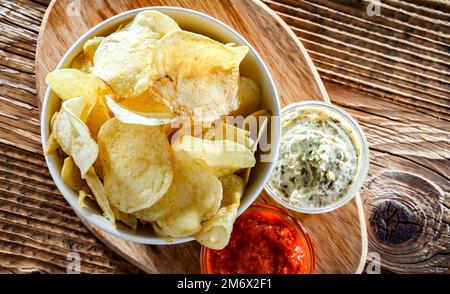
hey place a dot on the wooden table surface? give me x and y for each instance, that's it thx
(391, 70)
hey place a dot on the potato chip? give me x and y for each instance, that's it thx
(91, 89)
(184, 223)
(249, 97)
(197, 75)
(260, 119)
(190, 127)
(145, 103)
(157, 22)
(224, 131)
(150, 107)
(76, 106)
(123, 59)
(137, 164)
(90, 47)
(52, 120)
(138, 118)
(128, 219)
(82, 194)
(98, 115)
(83, 149)
(254, 121)
(81, 63)
(71, 176)
(222, 156)
(233, 188)
(70, 83)
(51, 145)
(73, 135)
(98, 168)
(100, 196)
(216, 232)
(194, 196)
(192, 185)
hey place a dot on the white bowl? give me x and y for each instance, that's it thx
(252, 67)
(363, 162)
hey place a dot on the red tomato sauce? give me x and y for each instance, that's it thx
(261, 243)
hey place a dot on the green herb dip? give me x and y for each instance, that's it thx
(318, 159)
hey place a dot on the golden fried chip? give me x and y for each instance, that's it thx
(249, 97)
(254, 122)
(194, 196)
(222, 156)
(98, 115)
(90, 47)
(197, 76)
(52, 120)
(83, 193)
(145, 103)
(73, 135)
(88, 87)
(224, 131)
(81, 63)
(258, 123)
(70, 83)
(98, 190)
(157, 22)
(192, 185)
(81, 196)
(137, 164)
(138, 118)
(71, 176)
(75, 106)
(182, 224)
(128, 219)
(123, 59)
(51, 145)
(233, 189)
(216, 232)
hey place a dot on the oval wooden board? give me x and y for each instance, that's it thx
(336, 236)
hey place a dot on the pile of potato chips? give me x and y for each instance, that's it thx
(143, 131)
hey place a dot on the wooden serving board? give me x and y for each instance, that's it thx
(339, 237)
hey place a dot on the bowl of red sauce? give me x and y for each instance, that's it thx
(265, 240)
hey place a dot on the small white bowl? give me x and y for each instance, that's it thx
(252, 67)
(363, 163)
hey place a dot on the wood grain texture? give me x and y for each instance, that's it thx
(403, 142)
(296, 79)
(401, 55)
(407, 194)
(37, 226)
